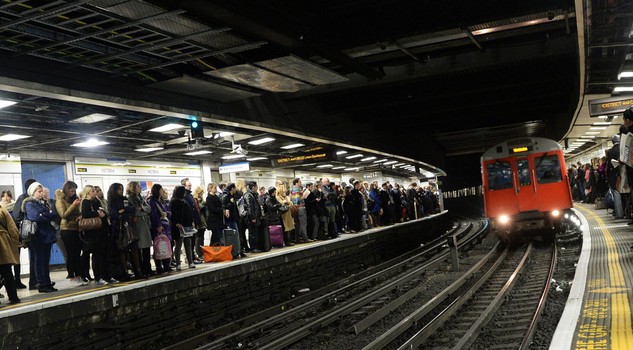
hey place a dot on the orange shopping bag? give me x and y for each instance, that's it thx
(217, 253)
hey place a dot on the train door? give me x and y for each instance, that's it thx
(526, 190)
(552, 191)
(499, 188)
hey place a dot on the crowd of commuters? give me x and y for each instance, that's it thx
(107, 239)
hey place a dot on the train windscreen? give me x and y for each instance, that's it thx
(499, 175)
(548, 169)
(524, 172)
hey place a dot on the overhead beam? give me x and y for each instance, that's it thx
(216, 13)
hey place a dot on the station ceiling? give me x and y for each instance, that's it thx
(425, 80)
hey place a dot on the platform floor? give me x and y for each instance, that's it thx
(598, 312)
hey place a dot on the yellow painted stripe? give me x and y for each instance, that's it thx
(620, 308)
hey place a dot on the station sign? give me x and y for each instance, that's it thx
(234, 168)
(97, 166)
(611, 105)
(305, 158)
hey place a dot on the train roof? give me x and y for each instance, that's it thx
(533, 144)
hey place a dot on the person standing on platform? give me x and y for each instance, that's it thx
(140, 226)
(96, 241)
(287, 220)
(386, 204)
(375, 208)
(37, 209)
(69, 209)
(229, 204)
(298, 196)
(200, 201)
(242, 223)
(181, 217)
(215, 217)
(356, 212)
(311, 211)
(329, 198)
(9, 243)
(253, 217)
(195, 210)
(160, 217)
(120, 212)
(18, 216)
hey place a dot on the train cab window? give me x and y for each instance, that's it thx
(524, 172)
(548, 169)
(499, 175)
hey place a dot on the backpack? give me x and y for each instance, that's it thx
(162, 247)
(241, 208)
(27, 230)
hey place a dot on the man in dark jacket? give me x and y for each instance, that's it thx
(254, 218)
(329, 198)
(230, 206)
(18, 216)
(385, 201)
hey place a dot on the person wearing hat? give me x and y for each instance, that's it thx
(39, 211)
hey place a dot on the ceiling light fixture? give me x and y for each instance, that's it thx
(338, 167)
(226, 133)
(294, 145)
(367, 159)
(6, 103)
(167, 127)
(341, 152)
(149, 149)
(351, 169)
(261, 141)
(391, 162)
(234, 156)
(593, 132)
(325, 166)
(92, 118)
(598, 128)
(588, 137)
(623, 89)
(602, 123)
(12, 137)
(625, 74)
(354, 156)
(90, 143)
(380, 161)
(197, 153)
(255, 158)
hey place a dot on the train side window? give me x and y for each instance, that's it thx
(499, 175)
(524, 172)
(548, 169)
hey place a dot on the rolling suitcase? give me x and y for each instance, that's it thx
(231, 237)
(265, 238)
(276, 235)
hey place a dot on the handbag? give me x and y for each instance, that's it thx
(90, 224)
(124, 237)
(294, 211)
(217, 253)
(187, 231)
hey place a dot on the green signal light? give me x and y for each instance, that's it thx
(194, 125)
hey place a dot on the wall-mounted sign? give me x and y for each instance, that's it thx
(98, 166)
(611, 105)
(82, 170)
(312, 157)
(234, 168)
(131, 171)
(173, 172)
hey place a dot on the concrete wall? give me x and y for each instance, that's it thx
(167, 307)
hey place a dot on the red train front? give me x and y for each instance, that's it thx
(525, 186)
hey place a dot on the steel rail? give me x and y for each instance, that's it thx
(394, 332)
(525, 344)
(298, 334)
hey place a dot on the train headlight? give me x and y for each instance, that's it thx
(555, 213)
(566, 216)
(504, 219)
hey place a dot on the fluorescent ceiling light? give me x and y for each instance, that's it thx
(588, 137)
(226, 133)
(602, 123)
(367, 159)
(12, 137)
(354, 156)
(90, 143)
(325, 166)
(351, 169)
(598, 128)
(261, 141)
(233, 156)
(607, 116)
(294, 145)
(593, 132)
(338, 167)
(625, 75)
(380, 161)
(341, 152)
(92, 118)
(149, 149)
(399, 164)
(623, 89)
(197, 153)
(255, 158)
(167, 127)
(6, 103)
(391, 162)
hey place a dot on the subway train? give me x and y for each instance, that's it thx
(526, 188)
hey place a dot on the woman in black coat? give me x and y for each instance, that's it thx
(272, 207)
(96, 242)
(215, 218)
(181, 217)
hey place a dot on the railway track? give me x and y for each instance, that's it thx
(382, 286)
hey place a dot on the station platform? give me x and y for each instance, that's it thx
(113, 316)
(598, 311)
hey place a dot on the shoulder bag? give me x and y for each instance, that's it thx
(90, 224)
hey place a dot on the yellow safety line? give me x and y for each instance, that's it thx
(621, 329)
